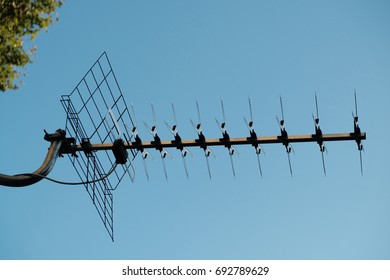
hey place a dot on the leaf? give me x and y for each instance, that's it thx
(20, 21)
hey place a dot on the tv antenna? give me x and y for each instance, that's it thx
(101, 140)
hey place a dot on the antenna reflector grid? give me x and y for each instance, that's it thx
(96, 112)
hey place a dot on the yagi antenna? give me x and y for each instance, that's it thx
(101, 158)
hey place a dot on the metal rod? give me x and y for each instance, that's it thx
(232, 141)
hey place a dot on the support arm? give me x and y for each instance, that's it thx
(22, 180)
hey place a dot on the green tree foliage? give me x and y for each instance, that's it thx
(21, 20)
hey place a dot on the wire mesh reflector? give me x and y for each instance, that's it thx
(96, 113)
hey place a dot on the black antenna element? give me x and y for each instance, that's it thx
(201, 141)
(253, 136)
(138, 142)
(157, 141)
(184, 151)
(318, 135)
(226, 138)
(356, 131)
(284, 136)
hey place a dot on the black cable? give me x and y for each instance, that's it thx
(73, 183)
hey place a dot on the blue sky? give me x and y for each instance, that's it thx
(205, 50)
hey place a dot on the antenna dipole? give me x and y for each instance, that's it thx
(318, 134)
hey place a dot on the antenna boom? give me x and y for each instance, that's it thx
(222, 142)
